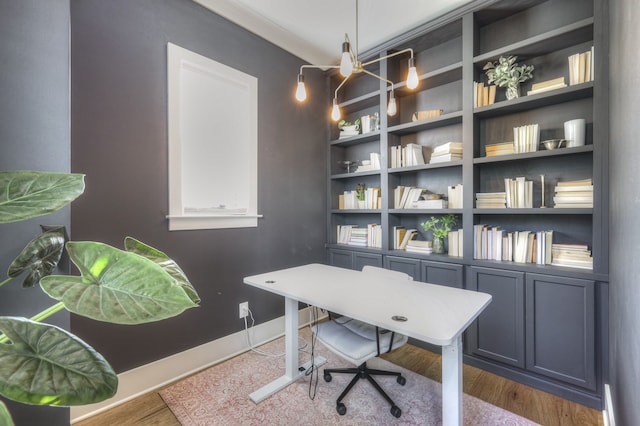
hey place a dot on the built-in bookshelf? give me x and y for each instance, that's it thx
(554, 36)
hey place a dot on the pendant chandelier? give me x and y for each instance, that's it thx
(350, 64)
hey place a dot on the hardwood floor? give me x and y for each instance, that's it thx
(538, 406)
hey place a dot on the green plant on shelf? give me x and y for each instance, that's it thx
(439, 226)
(361, 189)
(344, 123)
(507, 73)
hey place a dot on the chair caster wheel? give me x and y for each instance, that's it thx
(327, 377)
(396, 411)
(401, 380)
(342, 409)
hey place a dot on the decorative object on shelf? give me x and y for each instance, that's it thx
(553, 143)
(348, 129)
(370, 123)
(350, 64)
(507, 73)
(425, 115)
(347, 164)
(440, 228)
(574, 132)
(361, 191)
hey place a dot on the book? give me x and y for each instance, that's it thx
(448, 147)
(502, 148)
(454, 195)
(548, 83)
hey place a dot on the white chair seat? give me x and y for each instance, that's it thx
(355, 340)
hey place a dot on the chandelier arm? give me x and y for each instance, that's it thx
(335, 96)
(391, 55)
(379, 78)
(320, 67)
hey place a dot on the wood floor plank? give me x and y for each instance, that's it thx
(535, 405)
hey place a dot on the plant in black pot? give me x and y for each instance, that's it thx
(43, 364)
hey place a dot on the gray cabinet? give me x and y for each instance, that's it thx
(353, 259)
(499, 332)
(561, 329)
(404, 264)
(442, 273)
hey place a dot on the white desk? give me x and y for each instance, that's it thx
(434, 314)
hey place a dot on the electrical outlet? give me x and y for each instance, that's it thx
(243, 309)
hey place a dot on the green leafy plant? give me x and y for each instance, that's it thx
(439, 226)
(343, 123)
(361, 189)
(507, 73)
(43, 364)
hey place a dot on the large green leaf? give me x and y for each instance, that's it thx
(117, 286)
(5, 416)
(26, 194)
(168, 264)
(39, 257)
(46, 365)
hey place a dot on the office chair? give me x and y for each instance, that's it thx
(358, 342)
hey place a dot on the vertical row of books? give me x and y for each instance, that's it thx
(483, 95)
(581, 67)
(455, 241)
(526, 138)
(410, 197)
(370, 198)
(405, 156)
(574, 194)
(402, 236)
(353, 235)
(494, 243)
(518, 194)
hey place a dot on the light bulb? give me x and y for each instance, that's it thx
(412, 76)
(346, 65)
(335, 111)
(391, 108)
(301, 91)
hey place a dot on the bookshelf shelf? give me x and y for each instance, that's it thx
(450, 53)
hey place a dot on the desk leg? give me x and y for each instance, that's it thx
(292, 371)
(452, 383)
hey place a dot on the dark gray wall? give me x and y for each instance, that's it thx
(624, 206)
(119, 139)
(34, 135)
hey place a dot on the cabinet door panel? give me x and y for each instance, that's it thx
(403, 264)
(442, 273)
(561, 328)
(498, 333)
(340, 258)
(360, 260)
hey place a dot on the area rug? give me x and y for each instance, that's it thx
(220, 396)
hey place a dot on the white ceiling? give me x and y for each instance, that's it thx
(314, 29)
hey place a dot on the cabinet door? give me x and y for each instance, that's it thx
(498, 333)
(341, 258)
(448, 274)
(403, 264)
(561, 329)
(361, 260)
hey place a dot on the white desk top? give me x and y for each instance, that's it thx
(435, 314)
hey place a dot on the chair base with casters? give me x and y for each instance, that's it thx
(357, 342)
(364, 372)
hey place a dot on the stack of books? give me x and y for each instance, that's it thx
(574, 194)
(454, 194)
(348, 133)
(446, 152)
(352, 235)
(419, 246)
(545, 86)
(491, 200)
(402, 236)
(519, 193)
(405, 156)
(526, 138)
(572, 255)
(581, 67)
(502, 148)
(483, 95)
(454, 238)
(372, 164)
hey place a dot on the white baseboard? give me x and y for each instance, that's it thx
(607, 414)
(144, 379)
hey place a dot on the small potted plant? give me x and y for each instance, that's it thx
(507, 73)
(349, 128)
(361, 190)
(440, 228)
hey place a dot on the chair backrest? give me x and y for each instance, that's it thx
(386, 273)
